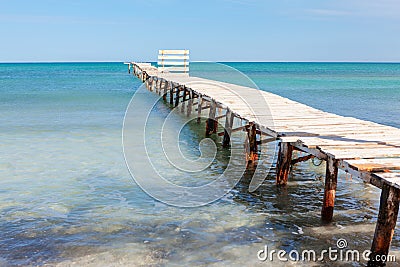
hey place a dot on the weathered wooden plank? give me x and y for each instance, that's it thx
(375, 165)
(173, 58)
(339, 141)
(302, 159)
(173, 51)
(367, 177)
(240, 128)
(361, 153)
(390, 178)
(174, 69)
(174, 63)
(143, 65)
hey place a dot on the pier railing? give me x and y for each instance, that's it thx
(173, 61)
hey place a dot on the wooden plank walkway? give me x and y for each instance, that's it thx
(368, 150)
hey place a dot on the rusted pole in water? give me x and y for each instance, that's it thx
(330, 190)
(253, 146)
(210, 123)
(387, 217)
(190, 103)
(160, 82)
(177, 95)
(284, 163)
(228, 128)
(171, 93)
(184, 99)
(199, 106)
(165, 90)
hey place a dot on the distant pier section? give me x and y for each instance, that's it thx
(364, 149)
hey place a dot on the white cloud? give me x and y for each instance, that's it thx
(389, 9)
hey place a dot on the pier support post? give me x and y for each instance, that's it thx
(154, 84)
(210, 123)
(253, 146)
(190, 103)
(228, 128)
(330, 190)
(388, 211)
(199, 107)
(165, 90)
(184, 99)
(157, 87)
(171, 93)
(177, 95)
(147, 84)
(284, 163)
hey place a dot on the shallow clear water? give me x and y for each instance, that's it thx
(66, 196)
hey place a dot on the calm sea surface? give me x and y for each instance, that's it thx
(66, 196)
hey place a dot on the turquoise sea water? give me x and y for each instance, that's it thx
(66, 196)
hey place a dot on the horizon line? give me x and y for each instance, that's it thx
(199, 61)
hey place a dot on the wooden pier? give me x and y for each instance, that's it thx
(363, 149)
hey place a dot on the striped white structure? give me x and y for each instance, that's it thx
(173, 61)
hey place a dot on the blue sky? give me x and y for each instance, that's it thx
(220, 30)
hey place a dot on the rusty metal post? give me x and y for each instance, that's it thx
(330, 190)
(387, 218)
(210, 123)
(199, 107)
(284, 163)
(190, 103)
(177, 96)
(228, 128)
